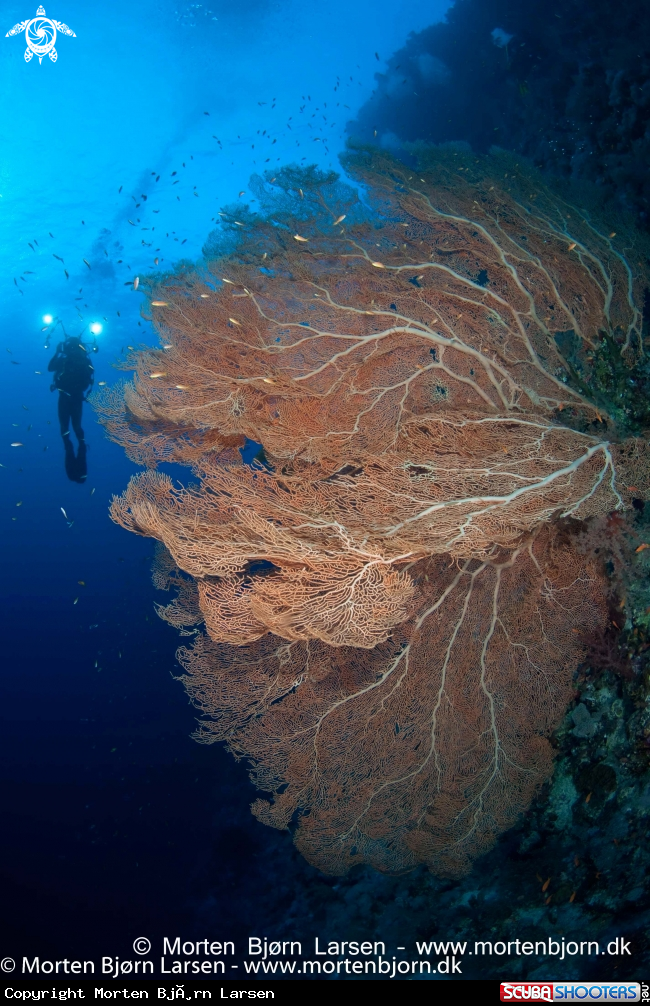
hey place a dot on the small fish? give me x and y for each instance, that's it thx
(339, 219)
(545, 885)
(155, 261)
(181, 387)
(378, 265)
(267, 380)
(205, 296)
(75, 600)
(224, 280)
(242, 192)
(101, 384)
(19, 503)
(297, 237)
(57, 257)
(136, 282)
(642, 546)
(92, 491)
(160, 303)
(64, 513)
(120, 189)
(38, 371)
(168, 346)
(632, 489)
(159, 373)
(613, 234)
(234, 321)
(17, 443)
(572, 245)
(87, 263)
(31, 245)
(82, 583)
(67, 276)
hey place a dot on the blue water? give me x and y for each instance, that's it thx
(114, 822)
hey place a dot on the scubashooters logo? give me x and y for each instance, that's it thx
(40, 34)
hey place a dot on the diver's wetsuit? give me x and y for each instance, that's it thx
(70, 406)
(73, 376)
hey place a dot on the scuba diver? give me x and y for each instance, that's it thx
(73, 378)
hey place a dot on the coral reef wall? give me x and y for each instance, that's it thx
(565, 84)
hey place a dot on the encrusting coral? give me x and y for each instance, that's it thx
(393, 602)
